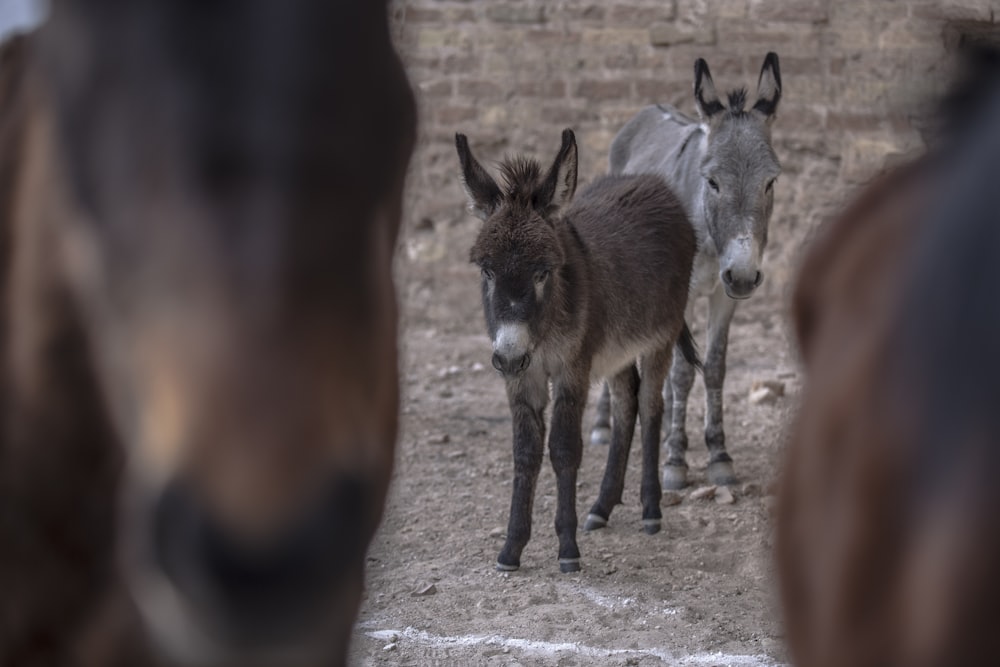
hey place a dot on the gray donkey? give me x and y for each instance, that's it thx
(560, 297)
(724, 170)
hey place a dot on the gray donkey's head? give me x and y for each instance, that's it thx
(739, 170)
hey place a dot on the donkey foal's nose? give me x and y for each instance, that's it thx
(511, 365)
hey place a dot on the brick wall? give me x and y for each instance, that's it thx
(512, 73)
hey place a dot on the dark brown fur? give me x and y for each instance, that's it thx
(199, 211)
(887, 526)
(596, 282)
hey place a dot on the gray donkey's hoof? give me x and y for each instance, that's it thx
(594, 521)
(675, 478)
(504, 567)
(722, 473)
(601, 435)
(651, 526)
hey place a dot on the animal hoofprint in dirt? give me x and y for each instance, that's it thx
(723, 169)
(559, 296)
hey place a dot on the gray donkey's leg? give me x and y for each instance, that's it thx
(720, 315)
(527, 395)
(681, 378)
(600, 434)
(624, 404)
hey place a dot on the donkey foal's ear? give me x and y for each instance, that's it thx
(705, 97)
(768, 87)
(559, 185)
(482, 191)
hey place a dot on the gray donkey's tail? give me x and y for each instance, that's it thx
(685, 342)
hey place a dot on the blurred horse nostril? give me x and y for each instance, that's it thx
(728, 276)
(497, 362)
(525, 360)
(758, 279)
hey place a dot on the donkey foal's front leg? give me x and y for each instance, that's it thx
(566, 451)
(528, 396)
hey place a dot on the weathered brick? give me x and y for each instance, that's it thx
(984, 10)
(792, 11)
(479, 89)
(854, 121)
(658, 90)
(542, 88)
(421, 15)
(436, 88)
(642, 16)
(602, 89)
(668, 34)
(448, 115)
(614, 37)
(515, 13)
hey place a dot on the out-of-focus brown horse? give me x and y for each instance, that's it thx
(888, 541)
(199, 203)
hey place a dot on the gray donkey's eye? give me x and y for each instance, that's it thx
(712, 183)
(770, 185)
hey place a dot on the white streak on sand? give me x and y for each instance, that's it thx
(534, 646)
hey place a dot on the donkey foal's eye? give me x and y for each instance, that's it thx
(488, 274)
(769, 186)
(712, 183)
(540, 276)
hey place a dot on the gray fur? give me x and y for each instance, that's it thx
(730, 146)
(568, 273)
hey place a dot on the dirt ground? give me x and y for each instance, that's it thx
(698, 593)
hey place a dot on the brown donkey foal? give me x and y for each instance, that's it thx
(571, 292)
(198, 375)
(888, 537)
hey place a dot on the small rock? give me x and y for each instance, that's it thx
(703, 493)
(671, 498)
(751, 489)
(724, 496)
(478, 367)
(390, 647)
(763, 396)
(423, 589)
(496, 532)
(766, 391)
(445, 393)
(457, 454)
(439, 439)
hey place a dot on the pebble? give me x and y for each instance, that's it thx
(703, 493)
(766, 391)
(671, 498)
(496, 532)
(423, 589)
(724, 496)
(439, 439)
(390, 647)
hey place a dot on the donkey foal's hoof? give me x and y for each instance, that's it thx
(594, 521)
(675, 478)
(651, 526)
(567, 565)
(503, 567)
(601, 435)
(722, 473)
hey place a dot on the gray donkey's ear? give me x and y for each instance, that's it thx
(768, 87)
(705, 97)
(482, 191)
(559, 185)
